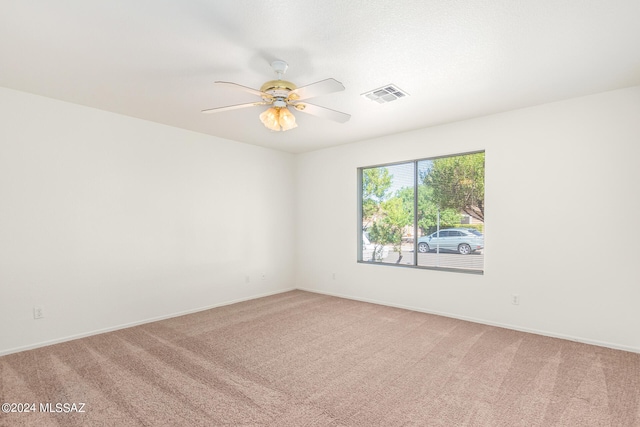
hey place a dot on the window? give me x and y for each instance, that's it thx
(425, 213)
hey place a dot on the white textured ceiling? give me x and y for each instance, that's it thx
(157, 59)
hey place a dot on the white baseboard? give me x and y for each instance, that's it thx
(141, 322)
(339, 295)
(485, 322)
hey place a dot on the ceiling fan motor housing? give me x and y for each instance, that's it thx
(278, 89)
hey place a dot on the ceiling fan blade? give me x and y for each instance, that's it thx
(244, 88)
(323, 112)
(323, 87)
(235, 107)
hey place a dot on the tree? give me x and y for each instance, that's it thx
(428, 210)
(388, 229)
(458, 183)
(385, 216)
(375, 189)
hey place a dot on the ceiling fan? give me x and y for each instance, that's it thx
(280, 94)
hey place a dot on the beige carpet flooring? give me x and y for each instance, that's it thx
(304, 359)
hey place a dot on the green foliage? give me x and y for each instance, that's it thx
(458, 183)
(382, 234)
(376, 183)
(479, 227)
(388, 229)
(388, 215)
(375, 191)
(375, 188)
(427, 210)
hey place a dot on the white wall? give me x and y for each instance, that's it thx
(108, 220)
(562, 196)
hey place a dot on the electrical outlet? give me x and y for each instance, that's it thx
(264, 276)
(38, 313)
(247, 279)
(515, 299)
(333, 276)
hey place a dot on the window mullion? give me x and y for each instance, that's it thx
(415, 213)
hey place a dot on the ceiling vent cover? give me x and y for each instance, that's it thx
(385, 94)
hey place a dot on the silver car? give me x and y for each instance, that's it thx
(461, 240)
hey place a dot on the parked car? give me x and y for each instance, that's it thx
(461, 240)
(368, 250)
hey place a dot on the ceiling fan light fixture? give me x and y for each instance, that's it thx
(269, 118)
(278, 119)
(287, 120)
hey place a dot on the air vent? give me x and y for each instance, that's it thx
(385, 94)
